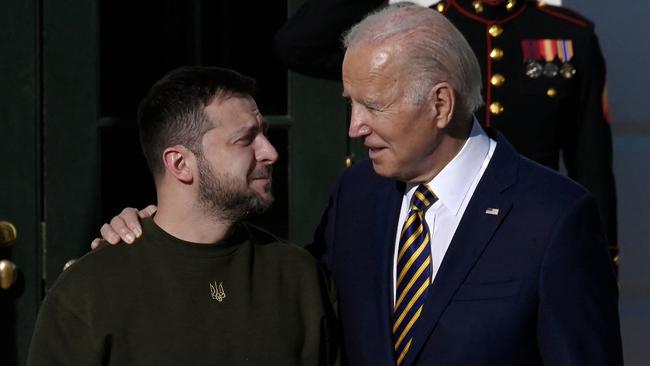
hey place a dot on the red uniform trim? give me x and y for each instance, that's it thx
(449, 4)
(604, 101)
(488, 21)
(568, 18)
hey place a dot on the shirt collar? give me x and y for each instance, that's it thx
(453, 182)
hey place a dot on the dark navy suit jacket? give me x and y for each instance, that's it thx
(530, 285)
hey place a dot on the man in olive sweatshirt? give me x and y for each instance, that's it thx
(201, 287)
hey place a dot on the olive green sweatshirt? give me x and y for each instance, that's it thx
(248, 300)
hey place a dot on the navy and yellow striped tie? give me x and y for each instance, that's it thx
(413, 271)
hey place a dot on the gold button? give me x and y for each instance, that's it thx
(440, 7)
(348, 161)
(496, 54)
(495, 30)
(478, 6)
(511, 4)
(496, 108)
(551, 92)
(497, 80)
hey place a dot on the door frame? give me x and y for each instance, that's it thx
(21, 178)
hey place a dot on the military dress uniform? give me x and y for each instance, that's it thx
(544, 88)
(543, 74)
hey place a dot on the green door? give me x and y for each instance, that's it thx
(20, 178)
(320, 147)
(48, 160)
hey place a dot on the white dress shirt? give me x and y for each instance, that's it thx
(454, 186)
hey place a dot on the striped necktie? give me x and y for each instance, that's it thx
(413, 271)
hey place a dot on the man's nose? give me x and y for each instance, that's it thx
(358, 124)
(265, 152)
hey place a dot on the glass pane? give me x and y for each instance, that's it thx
(140, 40)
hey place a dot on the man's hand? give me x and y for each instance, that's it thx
(125, 226)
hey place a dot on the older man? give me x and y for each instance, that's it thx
(201, 287)
(447, 246)
(543, 78)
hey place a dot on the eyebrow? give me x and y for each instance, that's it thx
(249, 128)
(370, 103)
(366, 102)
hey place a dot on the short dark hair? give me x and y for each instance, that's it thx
(172, 112)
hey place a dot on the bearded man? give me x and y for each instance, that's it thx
(201, 287)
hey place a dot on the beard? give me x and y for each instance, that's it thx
(221, 196)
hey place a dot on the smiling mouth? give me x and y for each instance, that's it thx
(373, 151)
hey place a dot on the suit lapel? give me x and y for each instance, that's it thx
(476, 228)
(389, 201)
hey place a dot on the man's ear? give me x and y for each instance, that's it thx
(443, 100)
(179, 162)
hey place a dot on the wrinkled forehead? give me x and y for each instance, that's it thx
(377, 64)
(232, 109)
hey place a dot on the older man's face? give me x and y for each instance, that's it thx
(401, 137)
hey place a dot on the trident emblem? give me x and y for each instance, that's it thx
(217, 291)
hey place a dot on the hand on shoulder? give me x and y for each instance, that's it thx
(125, 226)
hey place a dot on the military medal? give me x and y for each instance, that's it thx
(567, 70)
(549, 51)
(565, 54)
(540, 57)
(551, 70)
(533, 69)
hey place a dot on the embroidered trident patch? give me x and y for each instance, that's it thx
(217, 292)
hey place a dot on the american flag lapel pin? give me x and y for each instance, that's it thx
(492, 211)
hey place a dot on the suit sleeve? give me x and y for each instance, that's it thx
(310, 41)
(321, 247)
(588, 153)
(578, 310)
(61, 337)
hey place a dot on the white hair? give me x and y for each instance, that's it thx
(435, 51)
